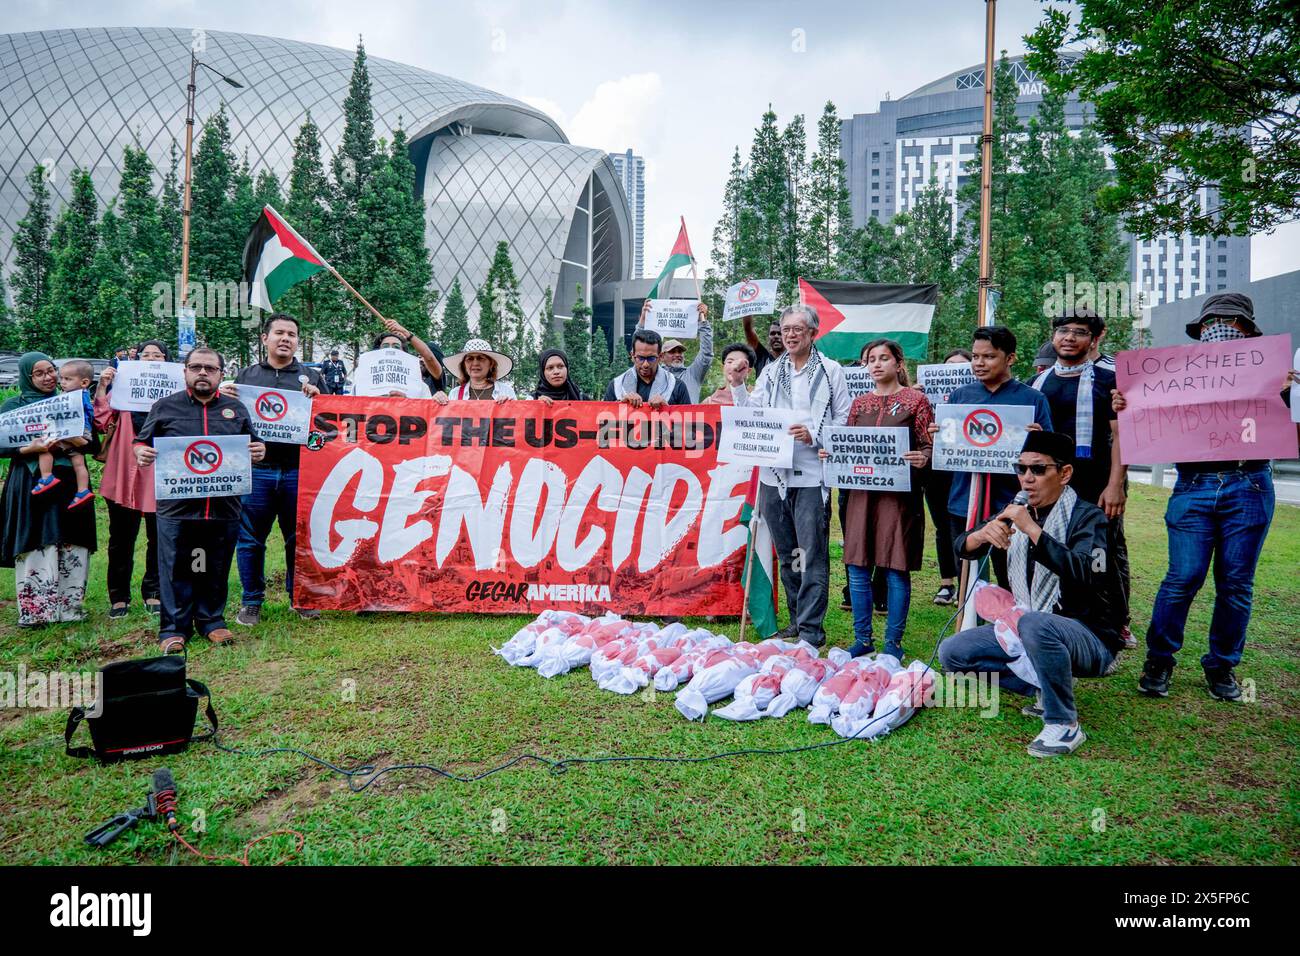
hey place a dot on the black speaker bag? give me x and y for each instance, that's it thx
(148, 708)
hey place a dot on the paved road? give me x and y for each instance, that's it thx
(1287, 489)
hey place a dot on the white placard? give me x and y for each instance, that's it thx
(279, 414)
(1295, 389)
(859, 381)
(983, 438)
(756, 436)
(674, 318)
(51, 419)
(202, 466)
(137, 385)
(382, 371)
(751, 297)
(868, 459)
(940, 381)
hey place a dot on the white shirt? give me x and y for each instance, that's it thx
(499, 390)
(806, 465)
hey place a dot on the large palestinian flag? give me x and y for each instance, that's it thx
(275, 258)
(854, 313)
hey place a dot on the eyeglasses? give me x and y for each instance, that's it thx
(645, 359)
(1065, 333)
(1037, 469)
(206, 369)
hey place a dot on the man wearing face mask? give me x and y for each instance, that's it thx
(1220, 510)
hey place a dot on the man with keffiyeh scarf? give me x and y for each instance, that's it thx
(793, 500)
(1079, 391)
(1060, 576)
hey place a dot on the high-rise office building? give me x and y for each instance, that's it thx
(933, 132)
(631, 169)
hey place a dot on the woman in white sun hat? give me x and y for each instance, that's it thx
(480, 370)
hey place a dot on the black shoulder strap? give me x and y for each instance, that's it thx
(202, 690)
(75, 716)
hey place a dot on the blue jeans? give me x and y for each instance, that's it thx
(1059, 647)
(274, 497)
(1224, 515)
(898, 593)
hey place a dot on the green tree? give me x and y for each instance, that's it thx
(220, 198)
(552, 336)
(499, 311)
(10, 335)
(352, 167)
(392, 264)
(1191, 94)
(67, 324)
(32, 255)
(111, 310)
(763, 210)
(308, 210)
(169, 209)
(138, 249)
(455, 320)
(578, 346)
(794, 143)
(927, 252)
(829, 239)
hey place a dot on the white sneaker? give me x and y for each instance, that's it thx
(1057, 740)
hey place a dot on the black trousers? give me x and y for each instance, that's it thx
(997, 557)
(1117, 547)
(123, 529)
(194, 574)
(937, 486)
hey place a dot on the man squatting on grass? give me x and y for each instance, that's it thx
(1057, 566)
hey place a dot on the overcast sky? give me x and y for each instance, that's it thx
(680, 83)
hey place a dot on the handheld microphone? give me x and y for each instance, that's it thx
(1022, 499)
(164, 796)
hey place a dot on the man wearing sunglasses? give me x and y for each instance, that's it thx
(1058, 569)
(193, 595)
(647, 382)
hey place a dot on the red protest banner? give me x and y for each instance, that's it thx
(518, 507)
(1219, 401)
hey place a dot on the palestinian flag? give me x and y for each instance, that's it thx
(854, 313)
(275, 258)
(759, 560)
(680, 256)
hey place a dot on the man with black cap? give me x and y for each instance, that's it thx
(1220, 510)
(335, 373)
(1056, 562)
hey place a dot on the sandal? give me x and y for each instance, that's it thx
(44, 484)
(80, 498)
(175, 644)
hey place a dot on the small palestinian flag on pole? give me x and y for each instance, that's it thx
(760, 566)
(276, 258)
(680, 256)
(854, 313)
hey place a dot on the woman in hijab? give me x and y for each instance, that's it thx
(553, 381)
(128, 489)
(47, 545)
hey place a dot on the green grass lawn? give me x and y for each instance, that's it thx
(1185, 780)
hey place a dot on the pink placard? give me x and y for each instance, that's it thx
(1219, 401)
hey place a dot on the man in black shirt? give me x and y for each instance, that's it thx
(646, 382)
(1057, 566)
(196, 536)
(274, 497)
(1099, 476)
(763, 354)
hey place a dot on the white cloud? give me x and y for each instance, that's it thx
(621, 113)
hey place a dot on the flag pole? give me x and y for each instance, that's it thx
(347, 285)
(751, 553)
(694, 275)
(977, 490)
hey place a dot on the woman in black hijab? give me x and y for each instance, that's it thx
(47, 545)
(553, 381)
